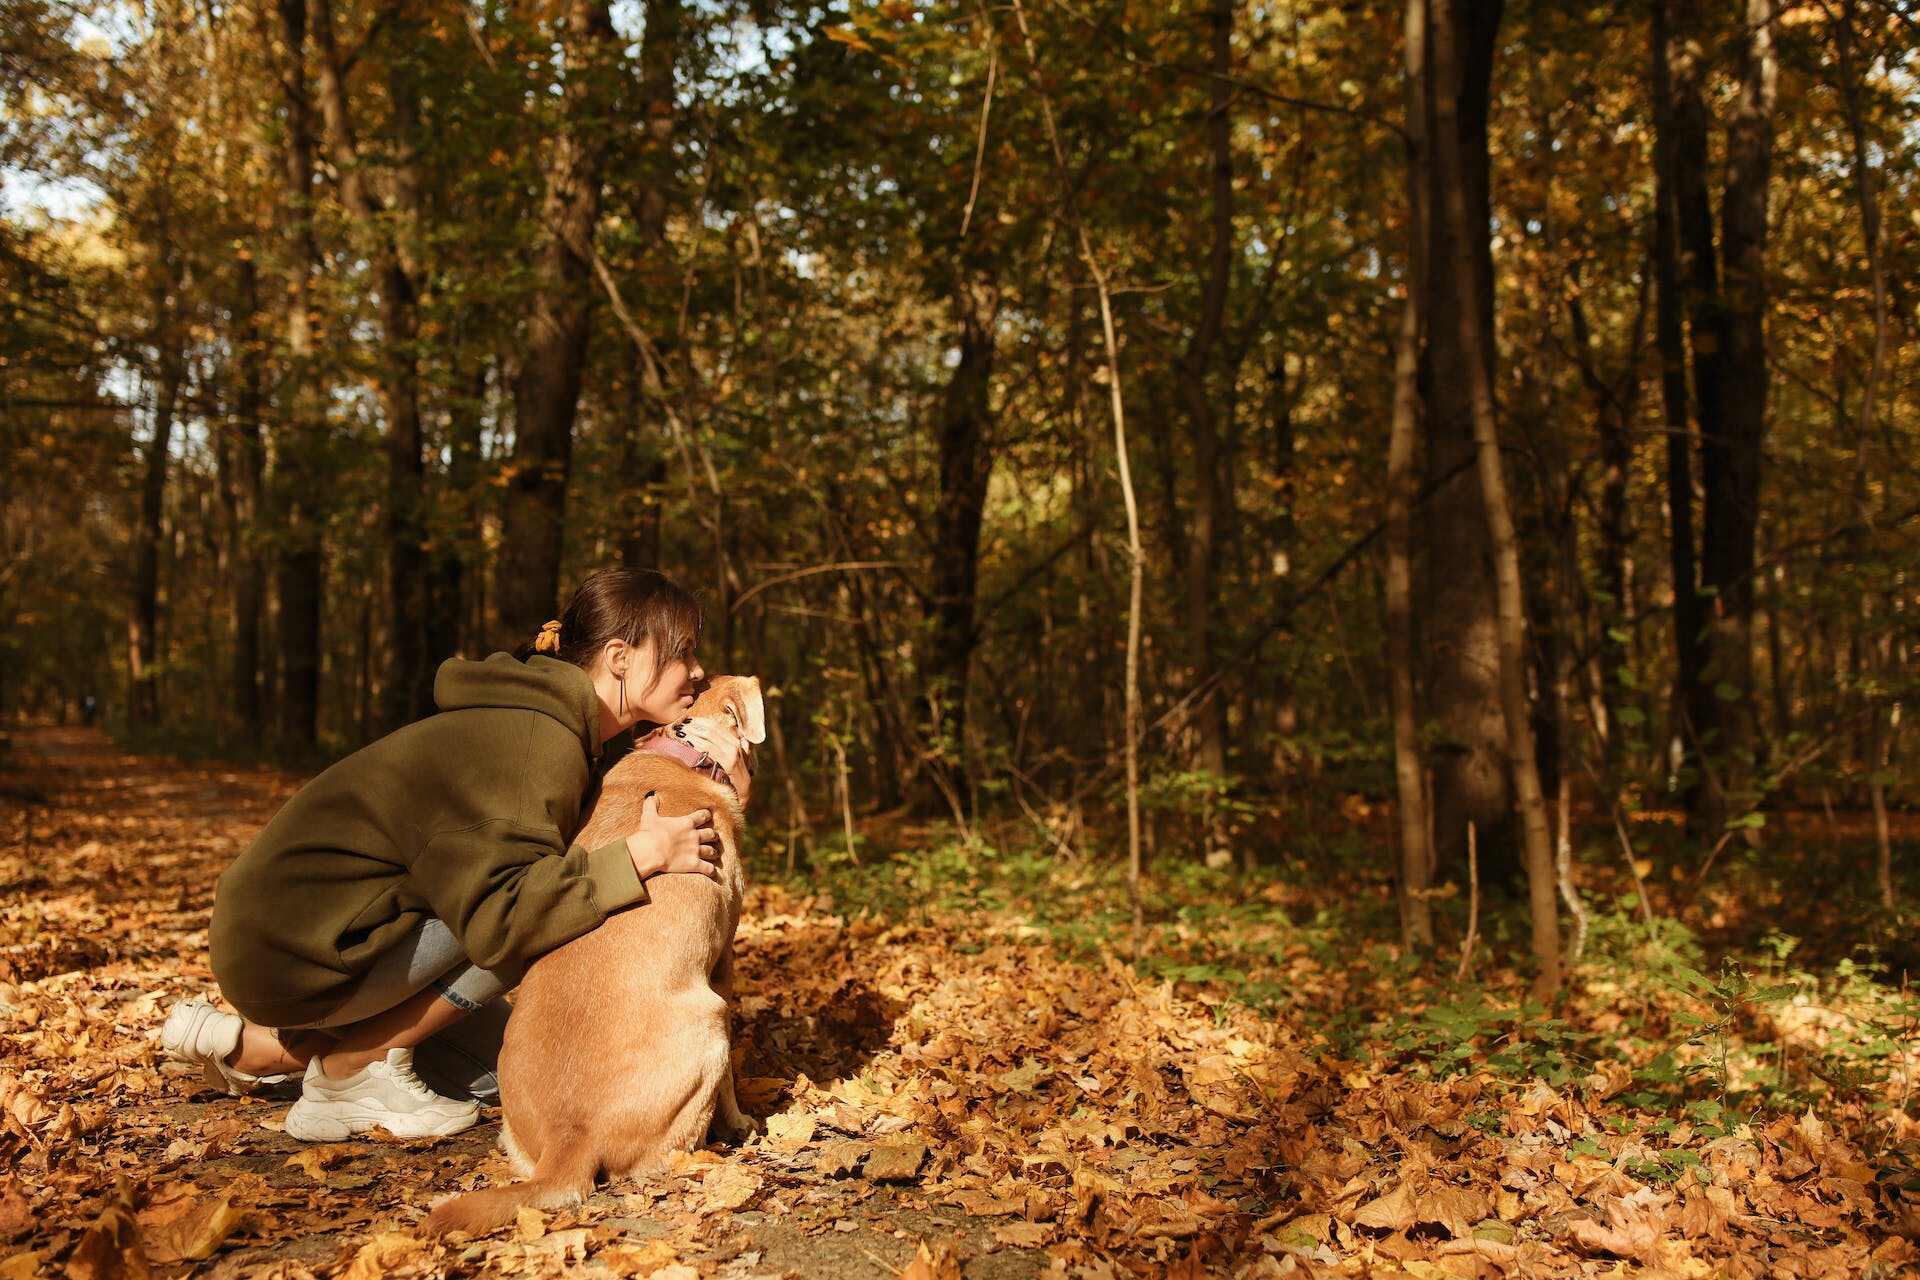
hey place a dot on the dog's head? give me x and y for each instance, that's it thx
(735, 703)
(738, 700)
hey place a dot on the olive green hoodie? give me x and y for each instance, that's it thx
(467, 815)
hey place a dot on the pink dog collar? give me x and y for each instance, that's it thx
(662, 742)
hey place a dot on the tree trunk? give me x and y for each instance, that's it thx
(143, 705)
(547, 391)
(1706, 317)
(1460, 617)
(243, 493)
(407, 692)
(1730, 457)
(644, 465)
(1671, 299)
(458, 532)
(1194, 373)
(643, 472)
(1285, 542)
(966, 465)
(1511, 618)
(1880, 668)
(1615, 403)
(1409, 767)
(299, 566)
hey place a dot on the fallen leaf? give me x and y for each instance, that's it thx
(840, 1157)
(193, 1235)
(1023, 1235)
(984, 1204)
(16, 1214)
(22, 1103)
(569, 1245)
(529, 1223)
(938, 1263)
(385, 1253)
(730, 1187)
(1188, 1267)
(1306, 1231)
(638, 1259)
(1391, 1212)
(1022, 1078)
(316, 1160)
(1454, 1209)
(896, 1160)
(790, 1133)
(110, 1249)
(1163, 1218)
(22, 1266)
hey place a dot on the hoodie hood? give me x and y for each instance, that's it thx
(547, 685)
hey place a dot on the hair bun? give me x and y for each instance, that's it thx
(548, 641)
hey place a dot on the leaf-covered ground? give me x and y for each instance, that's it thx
(963, 1074)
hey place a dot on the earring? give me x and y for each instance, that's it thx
(623, 694)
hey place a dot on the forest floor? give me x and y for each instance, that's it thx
(963, 1074)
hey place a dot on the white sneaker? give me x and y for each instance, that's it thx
(384, 1094)
(198, 1033)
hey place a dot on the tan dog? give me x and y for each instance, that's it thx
(618, 1052)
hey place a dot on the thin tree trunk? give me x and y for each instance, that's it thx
(1705, 308)
(1116, 399)
(1499, 516)
(1416, 855)
(644, 465)
(453, 573)
(966, 466)
(1286, 536)
(299, 566)
(1671, 305)
(408, 690)
(143, 622)
(1194, 375)
(1879, 737)
(242, 491)
(547, 392)
(643, 472)
(1615, 402)
(1731, 457)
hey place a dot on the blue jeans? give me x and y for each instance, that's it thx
(458, 1062)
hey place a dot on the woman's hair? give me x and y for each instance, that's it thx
(634, 605)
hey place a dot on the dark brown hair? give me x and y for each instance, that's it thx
(634, 605)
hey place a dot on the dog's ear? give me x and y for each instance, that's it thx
(753, 711)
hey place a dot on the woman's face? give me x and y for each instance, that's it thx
(632, 689)
(670, 696)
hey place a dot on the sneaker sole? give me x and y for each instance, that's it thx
(338, 1121)
(182, 1030)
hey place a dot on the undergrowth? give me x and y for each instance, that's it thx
(1683, 1033)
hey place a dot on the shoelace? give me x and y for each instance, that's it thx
(404, 1075)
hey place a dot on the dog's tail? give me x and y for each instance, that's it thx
(563, 1176)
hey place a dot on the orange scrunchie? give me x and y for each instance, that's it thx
(548, 641)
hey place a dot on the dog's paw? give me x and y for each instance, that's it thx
(736, 1130)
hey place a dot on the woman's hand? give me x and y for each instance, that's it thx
(686, 845)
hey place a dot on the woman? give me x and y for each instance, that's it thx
(413, 882)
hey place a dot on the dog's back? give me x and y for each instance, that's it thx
(617, 1053)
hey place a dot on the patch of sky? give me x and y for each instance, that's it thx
(26, 195)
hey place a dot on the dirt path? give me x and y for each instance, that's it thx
(943, 1099)
(107, 880)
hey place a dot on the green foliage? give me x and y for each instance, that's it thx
(1472, 1033)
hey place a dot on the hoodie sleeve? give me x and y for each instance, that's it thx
(512, 892)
